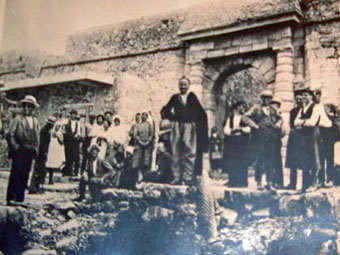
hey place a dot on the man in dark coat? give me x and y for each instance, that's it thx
(99, 174)
(71, 141)
(263, 119)
(189, 134)
(292, 160)
(23, 138)
(308, 150)
(39, 171)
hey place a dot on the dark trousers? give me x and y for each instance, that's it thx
(38, 176)
(86, 154)
(95, 188)
(326, 153)
(18, 179)
(72, 157)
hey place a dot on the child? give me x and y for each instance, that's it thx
(215, 149)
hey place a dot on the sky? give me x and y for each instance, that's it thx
(45, 24)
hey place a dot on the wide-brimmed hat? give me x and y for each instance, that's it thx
(29, 99)
(93, 147)
(266, 93)
(276, 100)
(51, 120)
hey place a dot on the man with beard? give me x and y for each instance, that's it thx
(23, 137)
(189, 134)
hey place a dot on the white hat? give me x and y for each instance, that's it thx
(30, 100)
(266, 93)
(277, 100)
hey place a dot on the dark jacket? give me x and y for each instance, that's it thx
(21, 136)
(45, 138)
(175, 110)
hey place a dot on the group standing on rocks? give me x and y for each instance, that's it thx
(104, 153)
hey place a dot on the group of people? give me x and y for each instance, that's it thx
(105, 154)
(253, 137)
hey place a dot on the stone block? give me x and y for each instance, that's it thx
(221, 44)
(270, 76)
(68, 226)
(242, 40)
(292, 205)
(258, 38)
(325, 53)
(284, 68)
(285, 43)
(267, 65)
(288, 77)
(215, 53)
(39, 252)
(231, 51)
(202, 46)
(298, 33)
(68, 243)
(260, 46)
(246, 48)
(212, 73)
(196, 80)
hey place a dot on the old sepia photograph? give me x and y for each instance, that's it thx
(169, 127)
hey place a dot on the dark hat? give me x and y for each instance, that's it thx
(74, 111)
(307, 89)
(276, 100)
(101, 114)
(92, 114)
(238, 103)
(108, 112)
(51, 120)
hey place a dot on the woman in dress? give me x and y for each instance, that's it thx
(56, 150)
(236, 141)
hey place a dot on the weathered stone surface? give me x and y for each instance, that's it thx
(39, 252)
(68, 226)
(67, 243)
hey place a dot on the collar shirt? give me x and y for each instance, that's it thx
(319, 117)
(94, 167)
(73, 125)
(30, 121)
(184, 98)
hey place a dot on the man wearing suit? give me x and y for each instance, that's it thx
(71, 140)
(99, 174)
(39, 171)
(23, 138)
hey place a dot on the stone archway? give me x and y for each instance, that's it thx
(228, 80)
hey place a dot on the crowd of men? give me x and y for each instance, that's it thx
(103, 152)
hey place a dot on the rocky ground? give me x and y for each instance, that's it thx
(162, 219)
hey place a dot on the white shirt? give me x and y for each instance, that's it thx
(73, 125)
(30, 121)
(94, 166)
(236, 125)
(318, 117)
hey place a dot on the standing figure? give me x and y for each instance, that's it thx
(308, 153)
(39, 171)
(216, 146)
(277, 158)
(236, 141)
(71, 140)
(262, 119)
(189, 133)
(131, 131)
(327, 132)
(56, 151)
(23, 137)
(87, 140)
(292, 160)
(142, 153)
